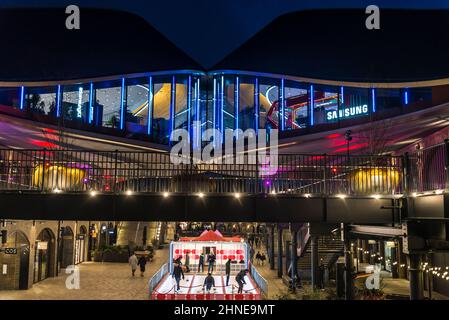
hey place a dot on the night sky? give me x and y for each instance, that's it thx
(208, 30)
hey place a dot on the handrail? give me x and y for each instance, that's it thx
(259, 280)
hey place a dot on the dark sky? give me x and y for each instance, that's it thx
(209, 29)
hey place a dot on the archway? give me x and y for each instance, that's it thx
(80, 245)
(21, 261)
(66, 247)
(44, 256)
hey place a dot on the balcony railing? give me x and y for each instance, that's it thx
(146, 172)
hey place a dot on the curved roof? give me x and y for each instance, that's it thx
(336, 45)
(37, 46)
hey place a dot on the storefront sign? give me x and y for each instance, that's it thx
(10, 250)
(42, 245)
(348, 112)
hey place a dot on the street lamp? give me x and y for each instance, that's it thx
(348, 138)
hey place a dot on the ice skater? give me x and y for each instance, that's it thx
(211, 261)
(228, 271)
(201, 262)
(177, 274)
(240, 278)
(209, 282)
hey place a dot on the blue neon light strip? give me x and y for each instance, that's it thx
(222, 108)
(282, 107)
(237, 102)
(189, 102)
(58, 101)
(256, 105)
(214, 107)
(197, 114)
(150, 106)
(406, 96)
(22, 97)
(342, 95)
(373, 99)
(312, 104)
(91, 102)
(172, 104)
(122, 105)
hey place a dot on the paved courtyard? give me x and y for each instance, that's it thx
(103, 281)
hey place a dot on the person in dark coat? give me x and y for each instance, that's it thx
(142, 263)
(209, 282)
(262, 258)
(240, 278)
(201, 262)
(177, 274)
(211, 262)
(228, 271)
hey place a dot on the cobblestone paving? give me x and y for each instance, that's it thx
(103, 281)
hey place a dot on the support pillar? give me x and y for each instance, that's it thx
(294, 258)
(279, 251)
(314, 261)
(348, 268)
(415, 277)
(394, 263)
(271, 253)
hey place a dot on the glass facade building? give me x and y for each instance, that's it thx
(151, 106)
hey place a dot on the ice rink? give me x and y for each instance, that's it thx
(192, 287)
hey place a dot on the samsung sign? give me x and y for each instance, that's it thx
(347, 112)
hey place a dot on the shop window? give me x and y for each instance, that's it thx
(41, 100)
(229, 103)
(181, 110)
(246, 112)
(10, 97)
(137, 105)
(325, 104)
(161, 109)
(417, 95)
(75, 103)
(106, 109)
(268, 103)
(296, 106)
(388, 99)
(356, 102)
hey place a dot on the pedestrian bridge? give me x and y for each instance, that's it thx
(135, 185)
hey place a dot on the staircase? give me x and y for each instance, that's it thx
(131, 233)
(329, 250)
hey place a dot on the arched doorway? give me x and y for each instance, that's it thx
(19, 240)
(103, 236)
(66, 247)
(44, 256)
(80, 245)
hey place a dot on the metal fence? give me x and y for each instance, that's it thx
(121, 171)
(259, 280)
(157, 277)
(427, 169)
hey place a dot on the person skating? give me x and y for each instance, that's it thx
(201, 262)
(133, 263)
(209, 282)
(262, 258)
(177, 274)
(211, 262)
(240, 278)
(142, 262)
(228, 271)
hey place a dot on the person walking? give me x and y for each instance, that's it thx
(240, 278)
(209, 282)
(262, 258)
(177, 274)
(251, 254)
(201, 262)
(228, 271)
(258, 258)
(211, 262)
(133, 263)
(187, 262)
(142, 263)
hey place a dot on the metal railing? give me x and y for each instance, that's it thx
(259, 280)
(147, 172)
(427, 168)
(157, 277)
